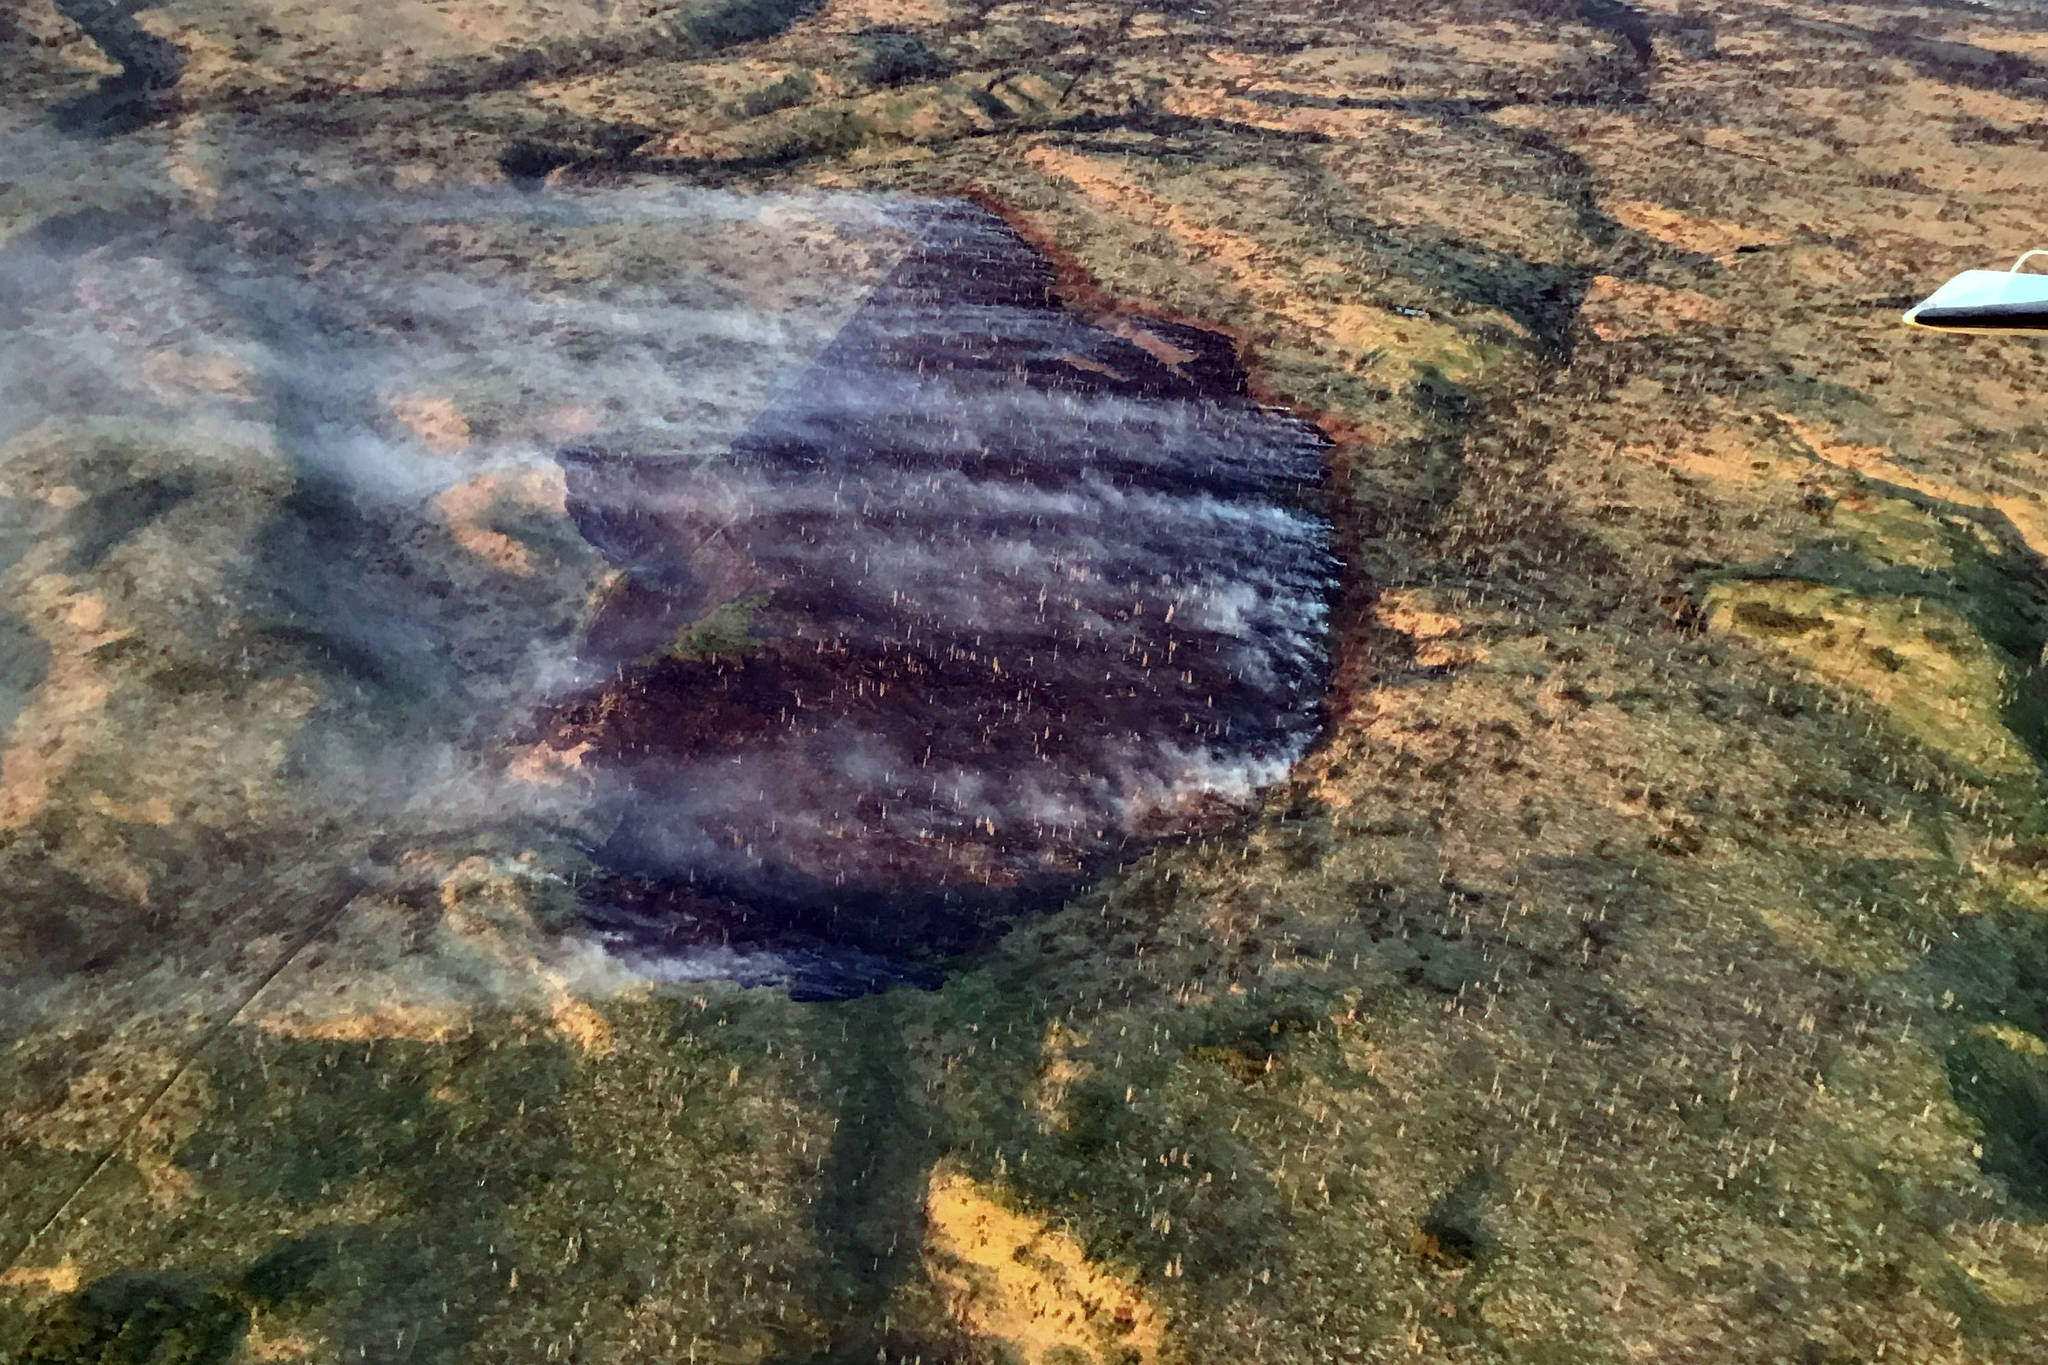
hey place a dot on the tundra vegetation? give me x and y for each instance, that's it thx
(1649, 962)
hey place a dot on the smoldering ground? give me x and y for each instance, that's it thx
(803, 560)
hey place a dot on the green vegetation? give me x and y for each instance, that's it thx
(724, 631)
(890, 57)
(792, 89)
(1649, 964)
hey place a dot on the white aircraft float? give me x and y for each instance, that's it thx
(1991, 302)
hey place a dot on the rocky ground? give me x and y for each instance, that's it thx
(1651, 963)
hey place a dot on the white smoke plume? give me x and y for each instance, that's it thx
(828, 563)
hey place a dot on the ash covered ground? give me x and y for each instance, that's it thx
(1006, 593)
(842, 617)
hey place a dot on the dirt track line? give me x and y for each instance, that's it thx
(344, 897)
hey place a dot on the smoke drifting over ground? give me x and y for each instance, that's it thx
(1017, 590)
(838, 590)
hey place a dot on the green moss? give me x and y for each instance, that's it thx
(893, 58)
(724, 631)
(361, 1111)
(793, 89)
(746, 21)
(1771, 620)
(1920, 657)
(1249, 1049)
(36, 1181)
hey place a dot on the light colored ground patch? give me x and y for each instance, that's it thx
(427, 980)
(2008, 869)
(2018, 1039)
(1058, 1073)
(1617, 309)
(1413, 613)
(267, 1346)
(1929, 667)
(467, 507)
(1356, 330)
(103, 1111)
(851, 16)
(1690, 231)
(61, 720)
(545, 765)
(435, 420)
(341, 1020)
(1730, 456)
(62, 1278)
(1030, 1287)
(2026, 511)
(1306, 119)
(175, 375)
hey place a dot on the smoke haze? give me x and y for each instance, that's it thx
(842, 593)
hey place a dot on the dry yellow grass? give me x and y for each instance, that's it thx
(1353, 330)
(466, 507)
(434, 420)
(62, 720)
(1929, 667)
(1017, 1280)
